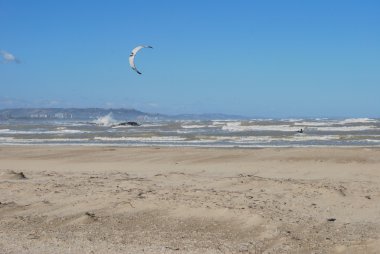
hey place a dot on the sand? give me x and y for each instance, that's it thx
(78, 199)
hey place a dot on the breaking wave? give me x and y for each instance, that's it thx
(106, 120)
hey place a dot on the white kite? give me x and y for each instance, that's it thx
(132, 57)
(8, 57)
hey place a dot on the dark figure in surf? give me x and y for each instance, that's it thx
(126, 123)
(300, 131)
(129, 123)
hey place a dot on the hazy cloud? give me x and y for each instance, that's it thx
(8, 57)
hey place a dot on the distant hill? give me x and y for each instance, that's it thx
(93, 113)
(73, 113)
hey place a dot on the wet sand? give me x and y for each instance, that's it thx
(78, 199)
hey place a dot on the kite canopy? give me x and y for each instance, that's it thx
(132, 57)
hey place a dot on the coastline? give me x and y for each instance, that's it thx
(189, 200)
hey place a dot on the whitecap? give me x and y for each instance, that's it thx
(345, 128)
(357, 120)
(193, 126)
(236, 127)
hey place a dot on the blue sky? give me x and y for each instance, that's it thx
(255, 58)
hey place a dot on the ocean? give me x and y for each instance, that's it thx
(245, 133)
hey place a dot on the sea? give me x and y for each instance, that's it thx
(243, 133)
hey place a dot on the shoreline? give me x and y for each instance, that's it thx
(189, 200)
(191, 146)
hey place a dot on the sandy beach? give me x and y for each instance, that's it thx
(78, 199)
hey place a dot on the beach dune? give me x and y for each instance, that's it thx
(81, 199)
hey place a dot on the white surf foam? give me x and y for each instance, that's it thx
(330, 122)
(311, 138)
(267, 139)
(345, 128)
(39, 131)
(245, 139)
(292, 120)
(106, 120)
(6, 139)
(237, 127)
(11, 140)
(306, 123)
(142, 139)
(357, 120)
(193, 126)
(219, 122)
